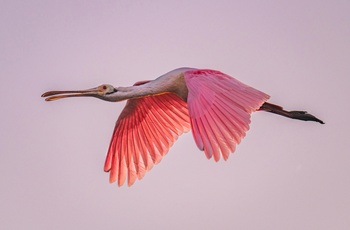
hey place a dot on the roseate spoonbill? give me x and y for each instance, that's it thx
(215, 106)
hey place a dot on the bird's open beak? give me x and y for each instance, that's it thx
(55, 95)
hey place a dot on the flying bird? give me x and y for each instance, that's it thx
(214, 105)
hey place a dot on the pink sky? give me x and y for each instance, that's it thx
(286, 174)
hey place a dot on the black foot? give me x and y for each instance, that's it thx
(304, 116)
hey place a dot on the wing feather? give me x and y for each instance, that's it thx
(144, 132)
(222, 136)
(150, 130)
(212, 135)
(219, 108)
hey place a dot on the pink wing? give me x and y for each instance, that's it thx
(219, 108)
(144, 132)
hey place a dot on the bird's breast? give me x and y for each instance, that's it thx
(173, 82)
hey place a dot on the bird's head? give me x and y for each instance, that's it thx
(103, 92)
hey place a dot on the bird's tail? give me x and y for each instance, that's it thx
(300, 115)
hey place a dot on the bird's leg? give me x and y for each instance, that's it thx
(300, 115)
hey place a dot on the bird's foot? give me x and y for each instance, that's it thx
(303, 115)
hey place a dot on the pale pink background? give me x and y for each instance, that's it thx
(285, 174)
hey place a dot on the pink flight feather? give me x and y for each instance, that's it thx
(219, 108)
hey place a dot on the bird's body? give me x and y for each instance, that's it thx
(215, 106)
(171, 82)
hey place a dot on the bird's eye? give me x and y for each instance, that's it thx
(104, 87)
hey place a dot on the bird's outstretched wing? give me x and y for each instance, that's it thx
(219, 108)
(143, 134)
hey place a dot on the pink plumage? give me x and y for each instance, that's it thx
(144, 132)
(219, 108)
